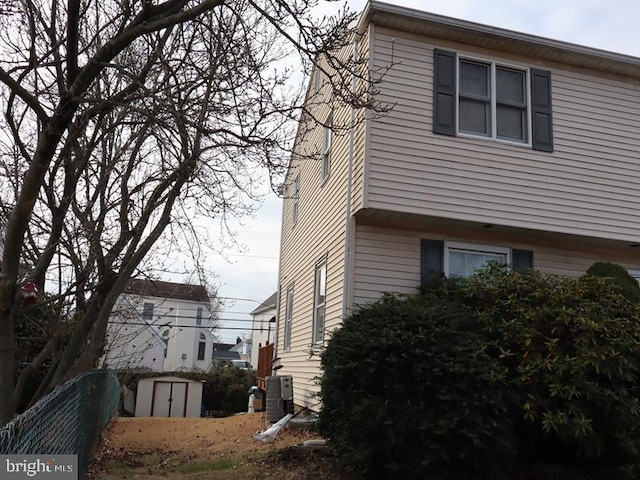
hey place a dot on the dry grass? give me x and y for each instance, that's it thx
(207, 448)
(154, 448)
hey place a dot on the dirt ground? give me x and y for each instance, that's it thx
(207, 448)
(153, 448)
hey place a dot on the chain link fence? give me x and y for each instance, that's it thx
(67, 421)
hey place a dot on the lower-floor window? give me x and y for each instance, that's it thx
(463, 259)
(320, 291)
(288, 318)
(201, 349)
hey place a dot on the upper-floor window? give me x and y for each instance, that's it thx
(288, 318)
(199, 316)
(493, 100)
(320, 295)
(295, 197)
(326, 149)
(316, 79)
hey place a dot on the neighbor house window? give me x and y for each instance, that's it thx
(201, 349)
(326, 149)
(319, 301)
(288, 316)
(463, 259)
(295, 197)
(147, 312)
(199, 316)
(493, 100)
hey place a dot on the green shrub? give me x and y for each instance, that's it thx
(619, 275)
(571, 349)
(408, 392)
(226, 389)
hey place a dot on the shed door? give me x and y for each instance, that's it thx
(169, 399)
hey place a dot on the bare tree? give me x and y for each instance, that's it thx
(126, 119)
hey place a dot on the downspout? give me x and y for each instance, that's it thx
(276, 338)
(347, 219)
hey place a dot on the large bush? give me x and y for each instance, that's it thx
(571, 347)
(408, 392)
(619, 275)
(226, 390)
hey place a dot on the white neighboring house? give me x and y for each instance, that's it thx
(243, 348)
(263, 326)
(160, 325)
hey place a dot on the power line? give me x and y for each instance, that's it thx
(191, 326)
(169, 320)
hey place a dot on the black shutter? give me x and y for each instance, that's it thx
(444, 92)
(542, 127)
(431, 261)
(521, 260)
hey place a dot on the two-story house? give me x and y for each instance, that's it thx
(160, 325)
(499, 146)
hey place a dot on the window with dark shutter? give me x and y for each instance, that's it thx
(542, 128)
(431, 261)
(489, 99)
(521, 260)
(444, 92)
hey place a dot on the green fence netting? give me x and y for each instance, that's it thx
(67, 421)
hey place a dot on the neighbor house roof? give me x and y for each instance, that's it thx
(268, 304)
(160, 289)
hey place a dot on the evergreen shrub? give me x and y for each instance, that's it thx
(619, 275)
(408, 392)
(226, 390)
(571, 350)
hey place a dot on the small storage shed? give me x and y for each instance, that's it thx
(168, 397)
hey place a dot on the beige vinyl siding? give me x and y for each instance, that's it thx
(587, 186)
(318, 233)
(358, 174)
(388, 260)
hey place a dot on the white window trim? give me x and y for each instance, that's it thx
(492, 87)
(316, 80)
(316, 305)
(327, 140)
(474, 247)
(288, 319)
(295, 196)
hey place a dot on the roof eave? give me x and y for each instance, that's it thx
(485, 36)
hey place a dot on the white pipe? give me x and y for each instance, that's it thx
(347, 220)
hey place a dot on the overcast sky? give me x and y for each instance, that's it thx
(609, 25)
